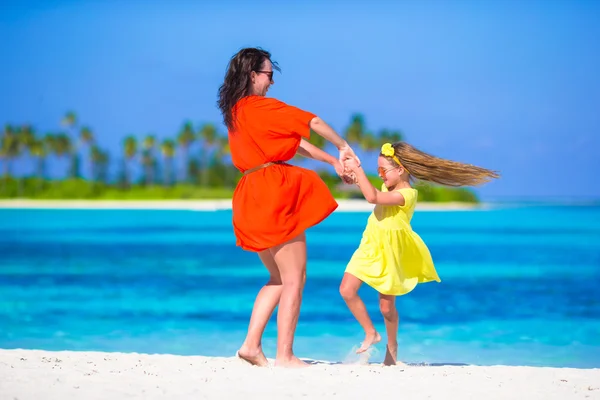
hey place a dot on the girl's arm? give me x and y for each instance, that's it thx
(372, 195)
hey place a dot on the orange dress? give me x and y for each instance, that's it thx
(277, 203)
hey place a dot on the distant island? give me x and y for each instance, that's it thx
(194, 164)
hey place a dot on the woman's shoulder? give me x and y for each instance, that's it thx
(260, 102)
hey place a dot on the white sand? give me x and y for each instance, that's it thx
(205, 205)
(35, 375)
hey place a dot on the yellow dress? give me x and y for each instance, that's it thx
(391, 257)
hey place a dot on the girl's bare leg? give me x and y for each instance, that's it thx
(387, 305)
(349, 291)
(266, 301)
(290, 258)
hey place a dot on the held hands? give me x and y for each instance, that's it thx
(346, 176)
(351, 164)
(350, 168)
(346, 152)
(348, 163)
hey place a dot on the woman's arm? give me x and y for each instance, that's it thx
(372, 195)
(321, 128)
(309, 150)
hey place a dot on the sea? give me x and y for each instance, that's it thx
(520, 285)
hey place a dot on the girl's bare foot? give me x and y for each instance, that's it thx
(391, 355)
(254, 357)
(370, 339)
(292, 362)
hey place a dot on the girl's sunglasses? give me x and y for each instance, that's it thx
(381, 171)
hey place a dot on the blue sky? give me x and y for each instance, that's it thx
(508, 85)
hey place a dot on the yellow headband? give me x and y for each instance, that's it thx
(388, 150)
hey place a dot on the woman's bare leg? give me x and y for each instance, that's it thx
(290, 258)
(349, 291)
(387, 305)
(266, 301)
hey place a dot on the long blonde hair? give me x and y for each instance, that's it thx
(426, 167)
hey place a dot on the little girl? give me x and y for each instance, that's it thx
(391, 257)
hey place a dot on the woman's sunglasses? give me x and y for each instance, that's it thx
(268, 73)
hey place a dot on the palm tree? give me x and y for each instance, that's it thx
(69, 121)
(57, 144)
(9, 150)
(102, 163)
(39, 150)
(50, 140)
(224, 151)
(168, 151)
(185, 139)
(61, 145)
(369, 142)
(26, 137)
(317, 140)
(208, 134)
(14, 141)
(148, 160)
(95, 161)
(130, 150)
(86, 137)
(356, 129)
(390, 136)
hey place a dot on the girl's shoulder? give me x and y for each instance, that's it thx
(409, 189)
(410, 194)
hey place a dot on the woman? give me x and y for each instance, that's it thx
(274, 202)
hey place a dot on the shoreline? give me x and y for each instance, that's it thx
(345, 205)
(96, 375)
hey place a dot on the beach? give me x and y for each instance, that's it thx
(34, 374)
(203, 205)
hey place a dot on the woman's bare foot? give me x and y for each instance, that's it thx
(391, 355)
(370, 339)
(254, 357)
(293, 362)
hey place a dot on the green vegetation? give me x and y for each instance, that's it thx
(204, 153)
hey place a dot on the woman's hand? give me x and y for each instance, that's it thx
(339, 168)
(351, 164)
(346, 153)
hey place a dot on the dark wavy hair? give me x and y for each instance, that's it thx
(237, 79)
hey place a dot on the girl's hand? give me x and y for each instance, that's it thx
(343, 173)
(351, 178)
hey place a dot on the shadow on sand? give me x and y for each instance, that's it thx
(319, 362)
(353, 358)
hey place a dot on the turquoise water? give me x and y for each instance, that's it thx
(520, 286)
